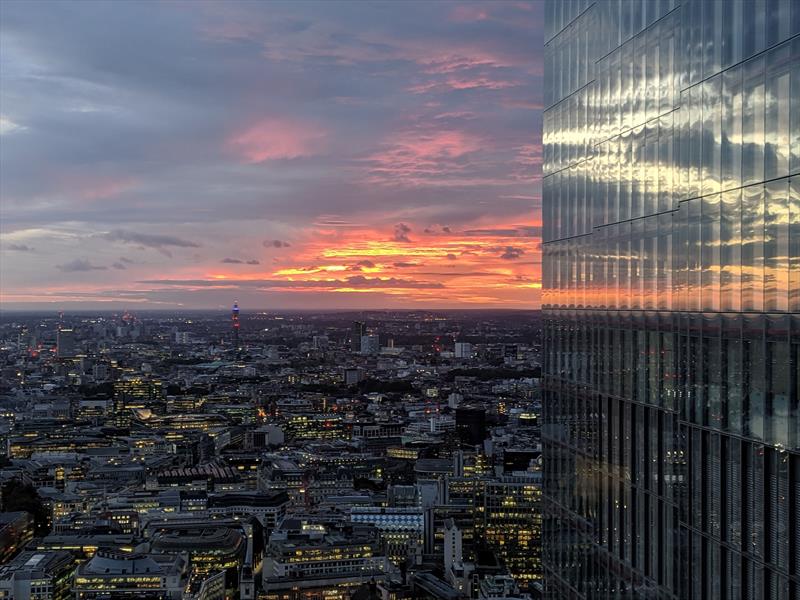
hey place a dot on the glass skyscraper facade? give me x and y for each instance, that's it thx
(671, 299)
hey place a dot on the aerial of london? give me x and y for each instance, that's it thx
(400, 299)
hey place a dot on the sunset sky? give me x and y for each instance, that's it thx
(288, 155)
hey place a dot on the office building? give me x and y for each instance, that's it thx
(510, 522)
(356, 332)
(463, 350)
(471, 425)
(16, 530)
(39, 575)
(304, 559)
(66, 344)
(671, 298)
(209, 547)
(370, 344)
(113, 574)
(401, 530)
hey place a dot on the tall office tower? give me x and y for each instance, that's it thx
(66, 344)
(356, 333)
(235, 323)
(671, 226)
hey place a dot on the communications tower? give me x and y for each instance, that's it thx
(235, 322)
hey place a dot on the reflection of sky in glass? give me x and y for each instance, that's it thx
(647, 127)
(671, 288)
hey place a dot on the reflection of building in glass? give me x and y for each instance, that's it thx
(671, 227)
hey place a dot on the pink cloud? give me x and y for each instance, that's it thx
(91, 187)
(468, 13)
(414, 155)
(449, 62)
(463, 83)
(275, 139)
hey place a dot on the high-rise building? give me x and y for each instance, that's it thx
(66, 344)
(356, 332)
(235, 323)
(671, 268)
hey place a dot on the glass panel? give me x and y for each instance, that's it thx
(776, 246)
(776, 152)
(753, 122)
(753, 248)
(730, 250)
(731, 138)
(794, 246)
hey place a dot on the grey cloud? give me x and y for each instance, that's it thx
(519, 231)
(276, 244)
(149, 240)
(436, 230)
(119, 266)
(401, 231)
(79, 265)
(406, 265)
(512, 253)
(253, 261)
(20, 247)
(358, 281)
(492, 232)
(232, 261)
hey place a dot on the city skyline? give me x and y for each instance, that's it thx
(288, 155)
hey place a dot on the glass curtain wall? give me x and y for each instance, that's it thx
(671, 299)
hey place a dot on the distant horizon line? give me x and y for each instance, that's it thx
(260, 310)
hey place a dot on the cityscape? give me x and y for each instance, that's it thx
(385, 300)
